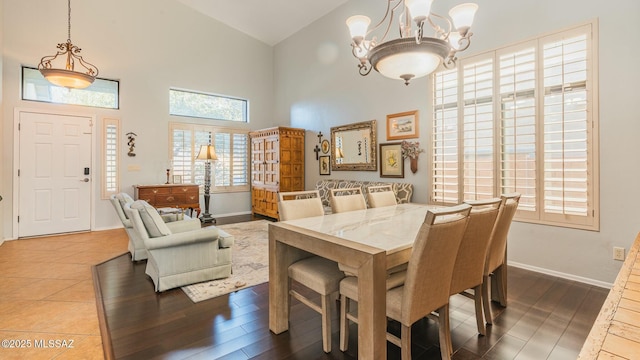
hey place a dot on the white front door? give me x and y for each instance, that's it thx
(54, 174)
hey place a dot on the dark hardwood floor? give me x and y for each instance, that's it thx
(547, 318)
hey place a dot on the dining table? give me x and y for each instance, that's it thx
(369, 241)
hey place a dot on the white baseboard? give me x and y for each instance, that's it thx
(572, 277)
(232, 214)
(107, 228)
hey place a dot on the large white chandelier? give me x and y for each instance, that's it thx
(413, 54)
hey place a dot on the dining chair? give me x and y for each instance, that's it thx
(426, 283)
(343, 200)
(468, 270)
(299, 204)
(496, 262)
(314, 272)
(381, 195)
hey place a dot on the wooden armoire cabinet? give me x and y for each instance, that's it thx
(277, 164)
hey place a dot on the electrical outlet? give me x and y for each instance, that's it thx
(618, 253)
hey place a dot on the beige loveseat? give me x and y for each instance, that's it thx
(403, 191)
(182, 255)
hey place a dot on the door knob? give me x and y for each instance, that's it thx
(85, 180)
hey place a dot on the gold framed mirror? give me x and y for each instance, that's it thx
(354, 147)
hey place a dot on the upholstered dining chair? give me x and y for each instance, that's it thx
(427, 282)
(381, 195)
(469, 265)
(299, 204)
(315, 272)
(496, 262)
(343, 200)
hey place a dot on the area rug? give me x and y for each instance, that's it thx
(250, 262)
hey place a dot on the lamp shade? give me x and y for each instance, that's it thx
(358, 26)
(462, 15)
(207, 152)
(419, 9)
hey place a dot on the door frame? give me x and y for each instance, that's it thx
(16, 160)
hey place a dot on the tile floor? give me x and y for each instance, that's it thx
(47, 298)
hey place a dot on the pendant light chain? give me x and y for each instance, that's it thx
(69, 21)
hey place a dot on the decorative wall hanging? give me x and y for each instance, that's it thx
(391, 160)
(324, 166)
(325, 146)
(317, 148)
(131, 137)
(411, 150)
(403, 125)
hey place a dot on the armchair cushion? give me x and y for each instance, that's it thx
(151, 219)
(124, 198)
(183, 225)
(183, 238)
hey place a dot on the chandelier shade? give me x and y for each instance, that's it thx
(414, 54)
(67, 75)
(67, 78)
(404, 59)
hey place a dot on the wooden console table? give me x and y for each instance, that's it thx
(616, 331)
(185, 196)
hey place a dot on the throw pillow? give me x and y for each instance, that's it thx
(124, 198)
(151, 219)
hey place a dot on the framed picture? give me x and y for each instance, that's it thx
(403, 125)
(325, 146)
(325, 166)
(177, 179)
(391, 161)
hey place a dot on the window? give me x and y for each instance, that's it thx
(110, 148)
(229, 173)
(102, 93)
(521, 119)
(208, 106)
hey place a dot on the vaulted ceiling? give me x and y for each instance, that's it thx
(269, 21)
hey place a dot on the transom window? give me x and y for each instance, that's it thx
(521, 119)
(103, 93)
(209, 106)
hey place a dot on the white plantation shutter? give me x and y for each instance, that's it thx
(568, 189)
(517, 76)
(240, 168)
(477, 131)
(202, 137)
(444, 144)
(228, 173)
(529, 126)
(181, 153)
(110, 162)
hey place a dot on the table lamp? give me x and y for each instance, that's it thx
(207, 153)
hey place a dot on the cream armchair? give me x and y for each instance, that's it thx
(181, 254)
(136, 245)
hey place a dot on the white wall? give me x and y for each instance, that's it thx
(317, 87)
(149, 45)
(2, 189)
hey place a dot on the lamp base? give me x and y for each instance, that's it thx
(207, 218)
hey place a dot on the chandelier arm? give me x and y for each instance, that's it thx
(364, 69)
(389, 14)
(438, 29)
(91, 69)
(450, 61)
(464, 42)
